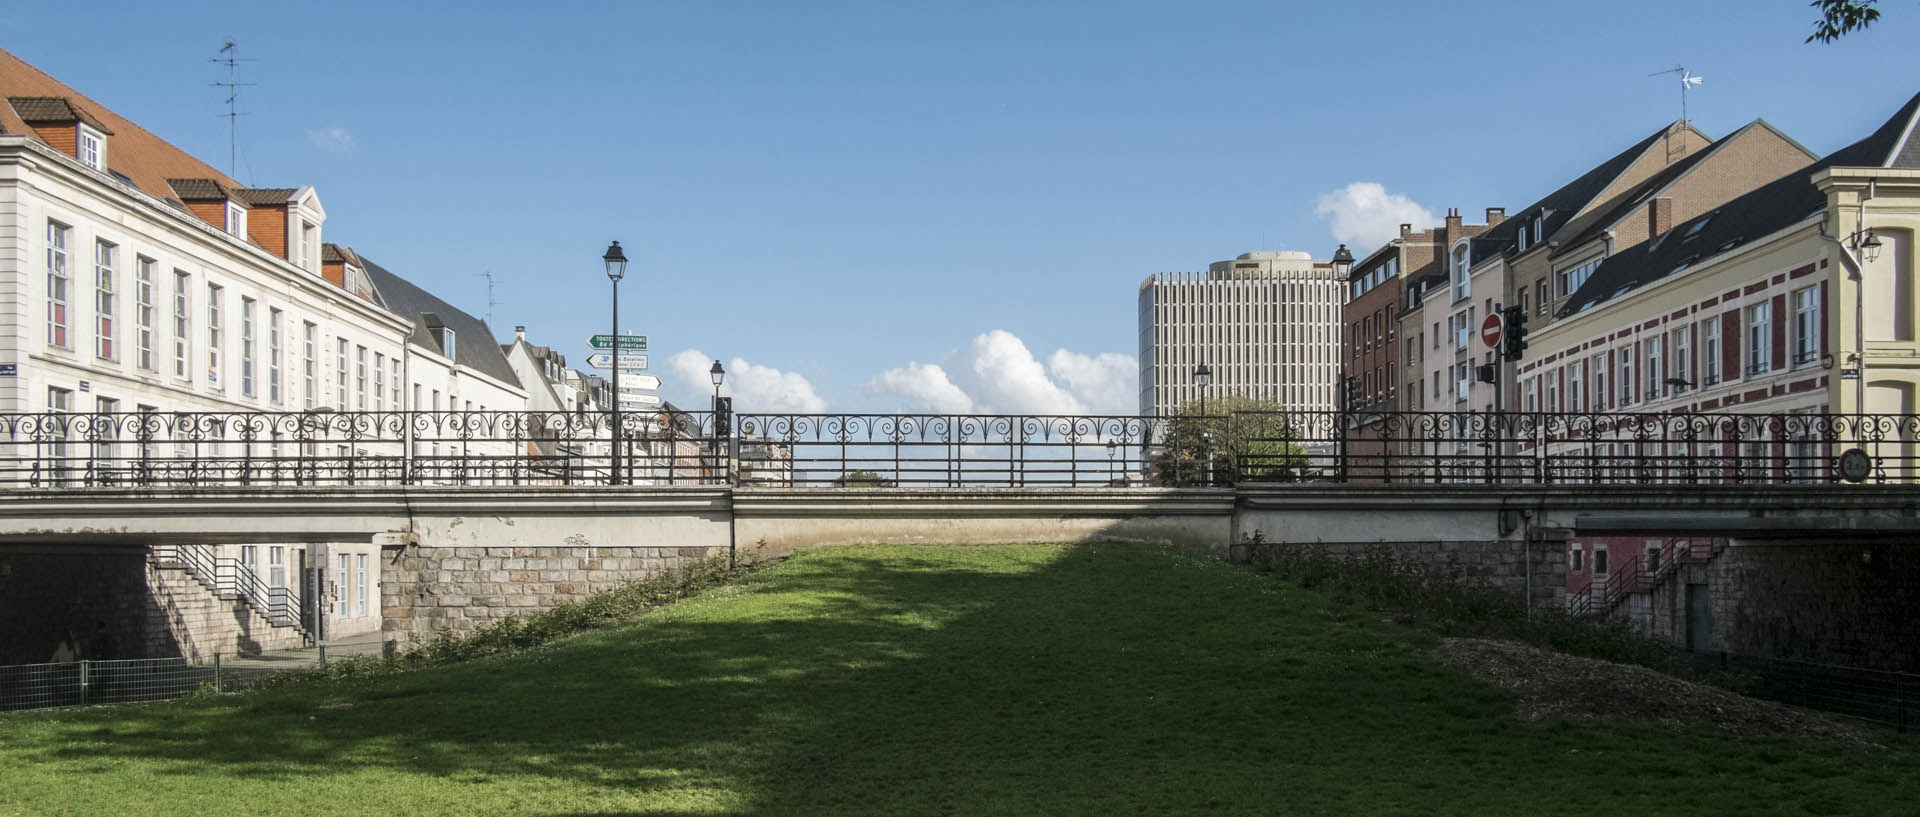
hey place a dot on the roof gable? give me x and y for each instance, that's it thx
(474, 345)
(1559, 207)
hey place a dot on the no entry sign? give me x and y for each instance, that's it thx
(1490, 331)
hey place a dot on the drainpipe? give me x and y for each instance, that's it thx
(1855, 273)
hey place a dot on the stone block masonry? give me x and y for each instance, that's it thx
(427, 590)
(1530, 571)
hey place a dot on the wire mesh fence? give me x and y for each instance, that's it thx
(81, 683)
(1875, 696)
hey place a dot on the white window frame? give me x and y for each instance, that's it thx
(143, 268)
(90, 147)
(59, 285)
(248, 309)
(360, 585)
(1682, 349)
(1576, 396)
(379, 381)
(1651, 358)
(105, 299)
(1710, 353)
(1624, 376)
(1805, 350)
(360, 378)
(1600, 391)
(215, 336)
(275, 321)
(340, 370)
(236, 220)
(182, 325)
(310, 362)
(1759, 355)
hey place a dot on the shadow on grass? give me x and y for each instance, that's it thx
(1104, 679)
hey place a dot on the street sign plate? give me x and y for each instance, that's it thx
(1849, 374)
(1490, 331)
(639, 400)
(627, 343)
(605, 360)
(639, 381)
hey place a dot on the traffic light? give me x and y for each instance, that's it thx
(1514, 334)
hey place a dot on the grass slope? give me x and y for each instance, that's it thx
(1108, 679)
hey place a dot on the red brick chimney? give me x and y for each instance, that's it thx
(1659, 217)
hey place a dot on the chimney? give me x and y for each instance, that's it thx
(1453, 222)
(1659, 217)
(1406, 228)
(520, 334)
(1495, 215)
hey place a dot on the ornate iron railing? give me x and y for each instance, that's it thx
(189, 449)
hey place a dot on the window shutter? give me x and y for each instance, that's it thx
(1780, 319)
(1732, 340)
(1823, 319)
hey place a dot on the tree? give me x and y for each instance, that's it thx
(1839, 17)
(1239, 439)
(862, 479)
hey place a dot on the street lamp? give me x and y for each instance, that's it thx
(719, 375)
(1202, 375)
(1113, 447)
(616, 269)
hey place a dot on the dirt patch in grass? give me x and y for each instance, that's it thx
(1552, 686)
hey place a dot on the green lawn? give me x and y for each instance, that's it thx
(1107, 680)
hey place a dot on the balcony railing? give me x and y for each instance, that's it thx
(148, 449)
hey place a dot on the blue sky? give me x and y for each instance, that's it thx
(837, 198)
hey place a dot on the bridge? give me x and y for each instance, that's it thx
(468, 510)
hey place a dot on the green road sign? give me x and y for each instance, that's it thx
(628, 343)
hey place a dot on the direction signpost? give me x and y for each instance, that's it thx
(627, 399)
(641, 382)
(607, 360)
(625, 343)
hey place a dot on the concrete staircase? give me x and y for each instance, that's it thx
(210, 605)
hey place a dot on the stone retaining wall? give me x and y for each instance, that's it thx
(1503, 564)
(426, 590)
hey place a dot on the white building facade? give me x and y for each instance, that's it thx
(1266, 324)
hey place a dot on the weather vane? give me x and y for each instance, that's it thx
(1687, 80)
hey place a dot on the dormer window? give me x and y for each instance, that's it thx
(350, 279)
(1539, 228)
(92, 148)
(236, 219)
(1522, 244)
(447, 344)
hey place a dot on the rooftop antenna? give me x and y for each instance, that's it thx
(230, 57)
(1687, 80)
(491, 303)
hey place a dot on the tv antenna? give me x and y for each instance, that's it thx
(491, 303)
(1687, 80)
(230, 57)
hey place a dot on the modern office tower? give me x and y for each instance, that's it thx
(1266, 324)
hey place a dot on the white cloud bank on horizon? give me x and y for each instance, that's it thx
(332, 139)
(753, 387)
(998, 374)
(1363, 215)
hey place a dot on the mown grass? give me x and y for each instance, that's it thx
(1105, 679)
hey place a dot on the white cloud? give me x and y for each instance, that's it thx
(998, 374)
(1109, 383)
(1364, 215)
(755, 388)
(922, 387)
(333, 139)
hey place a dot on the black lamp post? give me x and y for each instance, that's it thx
(719, 375)
(1113, 447)
(616, 270)
(1202, 375)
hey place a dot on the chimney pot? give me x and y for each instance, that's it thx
(1406, 228)
(520, 333)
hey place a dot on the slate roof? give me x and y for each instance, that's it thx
(1762, 212)
(54, 109)
(198, 189)
(1560, 205)
(473, 341)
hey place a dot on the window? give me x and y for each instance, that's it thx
(1710, 352)
(1570, 280)
(1461, 272)
(360, 378)
(1578, 552)
(379, 380)
(1540, 296)
(182, 325)
(1462, 381)
(1650, 363)
(274, 321)
(1682, 362)
(1539, 228)
(309, 362)
(1806, 326)
(1759, 338)
(236, 220)
(247, 308)
(1599, 559)
(58, 280)
(92, 148)
(394, 384)
(214, 339)
(1522, 241)
(360, 585)
(309, 246)
(59, 401)
(1532, 394)
(1521, 296)
(1553, 391)
(343, 587)
(143, 313)
(103, 299)
(340, 372)
(1626, 377)
(1576, 396)
(1600, 393)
